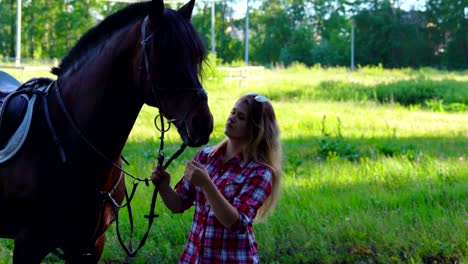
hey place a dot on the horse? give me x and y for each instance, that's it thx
(52, 188)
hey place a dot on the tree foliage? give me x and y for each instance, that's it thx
(280, 31)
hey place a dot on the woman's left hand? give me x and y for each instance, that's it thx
(196, 174)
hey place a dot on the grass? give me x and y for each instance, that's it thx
(365, 180)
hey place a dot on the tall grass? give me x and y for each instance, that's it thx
(365, 180)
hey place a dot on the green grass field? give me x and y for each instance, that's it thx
(370, 176)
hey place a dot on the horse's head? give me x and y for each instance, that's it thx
(172, 58)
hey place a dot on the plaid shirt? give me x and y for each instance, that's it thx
(245, 186)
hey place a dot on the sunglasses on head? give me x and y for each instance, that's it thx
(258, 97)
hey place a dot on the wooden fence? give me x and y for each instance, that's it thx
(23, 73)
(244, 73)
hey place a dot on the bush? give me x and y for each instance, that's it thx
(331, 147)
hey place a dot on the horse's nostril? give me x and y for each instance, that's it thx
(202, 126)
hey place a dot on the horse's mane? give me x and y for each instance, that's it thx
(173, 34)
(101, 31)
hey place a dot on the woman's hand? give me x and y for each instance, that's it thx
(197, 174)
(160, 175)
(170, 198)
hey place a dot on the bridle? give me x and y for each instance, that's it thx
(155, 89)
(161, 127)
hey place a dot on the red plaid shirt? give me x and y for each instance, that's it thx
(245, 186)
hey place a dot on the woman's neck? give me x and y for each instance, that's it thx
(233, 148)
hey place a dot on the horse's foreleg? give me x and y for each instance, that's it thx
(92, 256)
(99, 246)
(29, 248)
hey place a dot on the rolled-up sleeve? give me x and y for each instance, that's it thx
(185, 189)
(251, 197)
(187, 192)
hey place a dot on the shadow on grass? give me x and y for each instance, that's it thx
(313, 148)
(357, 148)
(335, 223)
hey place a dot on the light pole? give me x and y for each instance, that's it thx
(247, 35)
(18, 34)
(213, 26)
(352, 44)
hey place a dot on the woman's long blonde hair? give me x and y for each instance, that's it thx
(264, 145)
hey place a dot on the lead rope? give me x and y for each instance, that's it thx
(151, 216)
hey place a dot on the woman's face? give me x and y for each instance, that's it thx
(236, 124)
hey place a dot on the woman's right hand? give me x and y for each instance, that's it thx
(160, 175)
(170, 198)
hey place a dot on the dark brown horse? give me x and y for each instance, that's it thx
(51, 190)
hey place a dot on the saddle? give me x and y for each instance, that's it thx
(16, 107)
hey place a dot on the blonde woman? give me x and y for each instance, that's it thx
(230, 185)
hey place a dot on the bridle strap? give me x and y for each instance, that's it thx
(144, 42)
(154, 88)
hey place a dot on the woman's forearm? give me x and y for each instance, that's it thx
(223, 210)
(170, 198)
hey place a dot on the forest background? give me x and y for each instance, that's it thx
(280, 31)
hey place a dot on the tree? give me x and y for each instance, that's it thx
(8, 27)
(450, 31)
(228, 47)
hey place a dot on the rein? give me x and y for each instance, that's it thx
(151, 216)
(107, 196)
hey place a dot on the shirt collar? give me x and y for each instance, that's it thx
(237, 159)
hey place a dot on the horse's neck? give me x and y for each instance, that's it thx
(102, 93)
(107, 64)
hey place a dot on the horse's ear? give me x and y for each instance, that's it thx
(156, 12)
(187, 9)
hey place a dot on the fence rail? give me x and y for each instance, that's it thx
(28, 68)
(227, 73)
(23, 72)
(241, 73)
